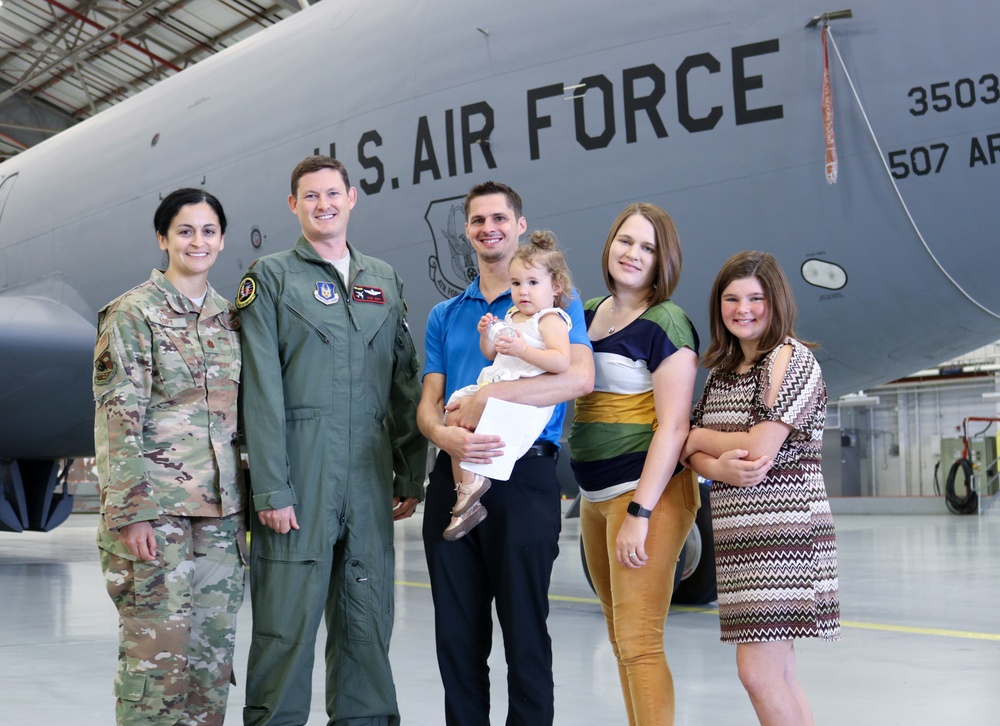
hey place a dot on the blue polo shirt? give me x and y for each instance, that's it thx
(451, 346)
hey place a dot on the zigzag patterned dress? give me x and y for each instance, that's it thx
(775, 548)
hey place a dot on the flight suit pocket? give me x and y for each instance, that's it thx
(376, 324)
(359, 601)
(379, 340)
(285, 588)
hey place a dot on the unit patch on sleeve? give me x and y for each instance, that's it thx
(363, 293)
(105, 366)
(247, 293)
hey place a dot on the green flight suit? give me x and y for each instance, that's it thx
(330, 391)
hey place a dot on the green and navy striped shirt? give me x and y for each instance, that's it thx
(613, 425)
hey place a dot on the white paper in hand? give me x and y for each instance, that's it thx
(517, 425)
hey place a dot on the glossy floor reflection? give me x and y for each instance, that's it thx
(921, 645)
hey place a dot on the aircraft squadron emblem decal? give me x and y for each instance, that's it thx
(326, 293)
(453, 265)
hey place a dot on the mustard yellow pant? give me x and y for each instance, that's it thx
(636, 601)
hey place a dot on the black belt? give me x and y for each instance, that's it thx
(541, 448)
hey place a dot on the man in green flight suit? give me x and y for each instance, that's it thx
(330, 390)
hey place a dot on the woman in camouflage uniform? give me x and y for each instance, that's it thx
(171, 535)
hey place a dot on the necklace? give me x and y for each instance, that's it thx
(612, 328)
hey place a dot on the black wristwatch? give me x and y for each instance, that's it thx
(637, 510)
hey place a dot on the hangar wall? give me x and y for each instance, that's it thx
(892, 447)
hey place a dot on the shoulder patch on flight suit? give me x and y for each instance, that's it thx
(247, 292)
(364, 293)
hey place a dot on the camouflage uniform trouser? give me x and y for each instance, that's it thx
(177, 621)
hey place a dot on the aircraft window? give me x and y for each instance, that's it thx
(824, 274)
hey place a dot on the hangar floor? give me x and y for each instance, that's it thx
(921, 642)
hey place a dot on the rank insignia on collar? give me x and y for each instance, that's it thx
(363, 293)
(326, 293)
(247, 292)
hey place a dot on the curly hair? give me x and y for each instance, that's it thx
(542, 251)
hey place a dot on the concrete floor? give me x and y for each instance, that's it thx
(921, 644)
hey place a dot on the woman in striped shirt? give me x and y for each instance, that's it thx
(638, 503)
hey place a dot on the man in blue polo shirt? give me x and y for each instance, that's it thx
(508, 558)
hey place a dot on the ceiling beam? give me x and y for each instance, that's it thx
(71, 56)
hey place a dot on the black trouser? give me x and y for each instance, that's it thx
(507, 559)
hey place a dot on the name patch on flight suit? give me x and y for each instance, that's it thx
(366, 294)
(247, 293)
(326, 293)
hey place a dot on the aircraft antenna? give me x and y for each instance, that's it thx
(895, 186)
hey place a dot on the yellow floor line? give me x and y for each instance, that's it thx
(943, 632)
(847, 624)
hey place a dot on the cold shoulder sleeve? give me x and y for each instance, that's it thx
(801, 398)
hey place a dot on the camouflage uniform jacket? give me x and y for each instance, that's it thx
(166, 378)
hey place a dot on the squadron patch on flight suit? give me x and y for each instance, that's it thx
(247, 292)
(363, 293)
(326, 293)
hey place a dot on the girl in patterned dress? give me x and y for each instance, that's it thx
(758, 434)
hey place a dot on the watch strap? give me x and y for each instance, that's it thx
(637, 510)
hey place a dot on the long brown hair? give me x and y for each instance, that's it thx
(724, 353)
(667, 270)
